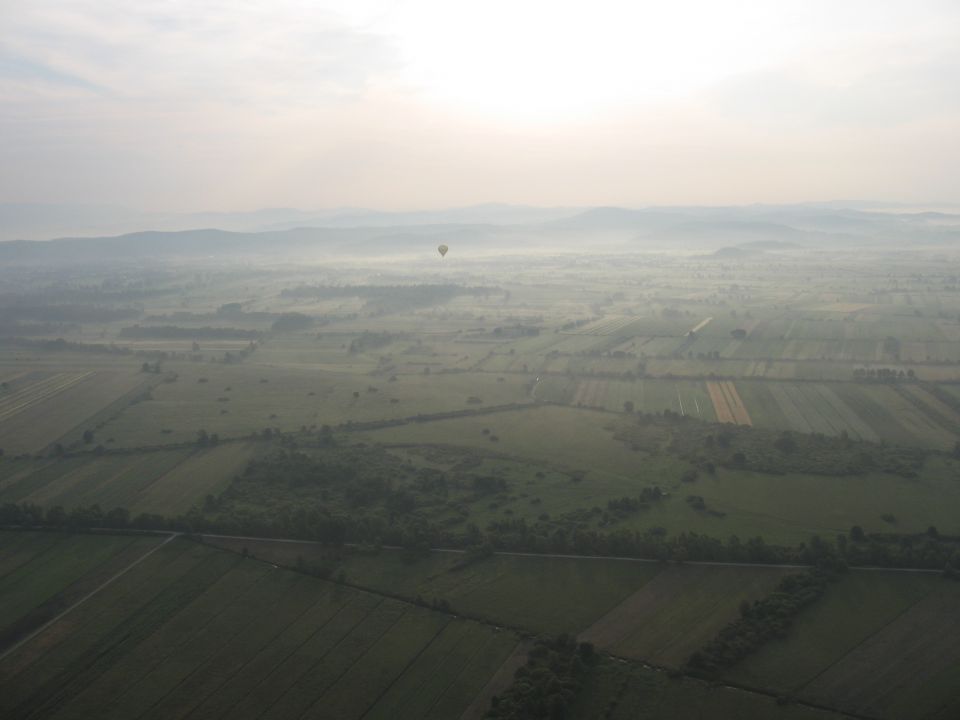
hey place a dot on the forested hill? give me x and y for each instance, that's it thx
(777, 228)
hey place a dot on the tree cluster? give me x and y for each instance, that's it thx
(548, 684)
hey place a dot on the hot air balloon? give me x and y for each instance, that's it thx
(442, 250)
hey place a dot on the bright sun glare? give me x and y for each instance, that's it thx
(537, 61)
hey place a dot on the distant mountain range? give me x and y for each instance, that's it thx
(43, 222)
(472, 230)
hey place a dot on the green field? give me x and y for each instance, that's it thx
(194, 630)
(237, 400)
(622, 692)
(678, 611)
(167, 482)
(41, 574)
(497, 589)
(878, 644)
(39, 408)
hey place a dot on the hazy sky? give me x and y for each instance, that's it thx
(240, 104)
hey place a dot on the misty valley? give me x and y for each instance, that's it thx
(663, 463)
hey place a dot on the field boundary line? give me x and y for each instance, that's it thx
(869, 637)
(81, 601)
(406, 667)
(172, 652)
(253, 686)
(466, 664)
(111, 410)
(201, 666)
(350, 667)
(320, 660)
(263, 649)
(567, 556)
(734, 685)
(450, 651)
(51, 389)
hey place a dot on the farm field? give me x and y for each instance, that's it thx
(619, 691)
(907, 415)
(862, 411)
(727, 405)
(496, 589)
(667, 612)
(236, 401)
(38, 408)
(43, 573)
(877, 644)
(678, 611)
(648, 395)
(195, 630)
(156, 481)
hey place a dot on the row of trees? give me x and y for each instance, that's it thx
(929, 550)
(888, 375)
(763, 620)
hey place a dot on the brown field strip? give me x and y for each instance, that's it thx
(737, 407)
(40, 391)
(598, 394)
(588, 392)
(578, 395)
(720, 406)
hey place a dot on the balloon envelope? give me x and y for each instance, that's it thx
(442, 250)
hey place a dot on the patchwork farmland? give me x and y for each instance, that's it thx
(582, 433)
(663, 614)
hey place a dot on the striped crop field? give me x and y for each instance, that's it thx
(727, 403)
(193, 631)
(606, 326)
(38, 391)
(879, 644)
(165, 481)
(38, 409)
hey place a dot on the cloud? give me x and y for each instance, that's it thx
(238, 104)
(899, 86)
(268, 54)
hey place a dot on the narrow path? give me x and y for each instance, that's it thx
(81, 601)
